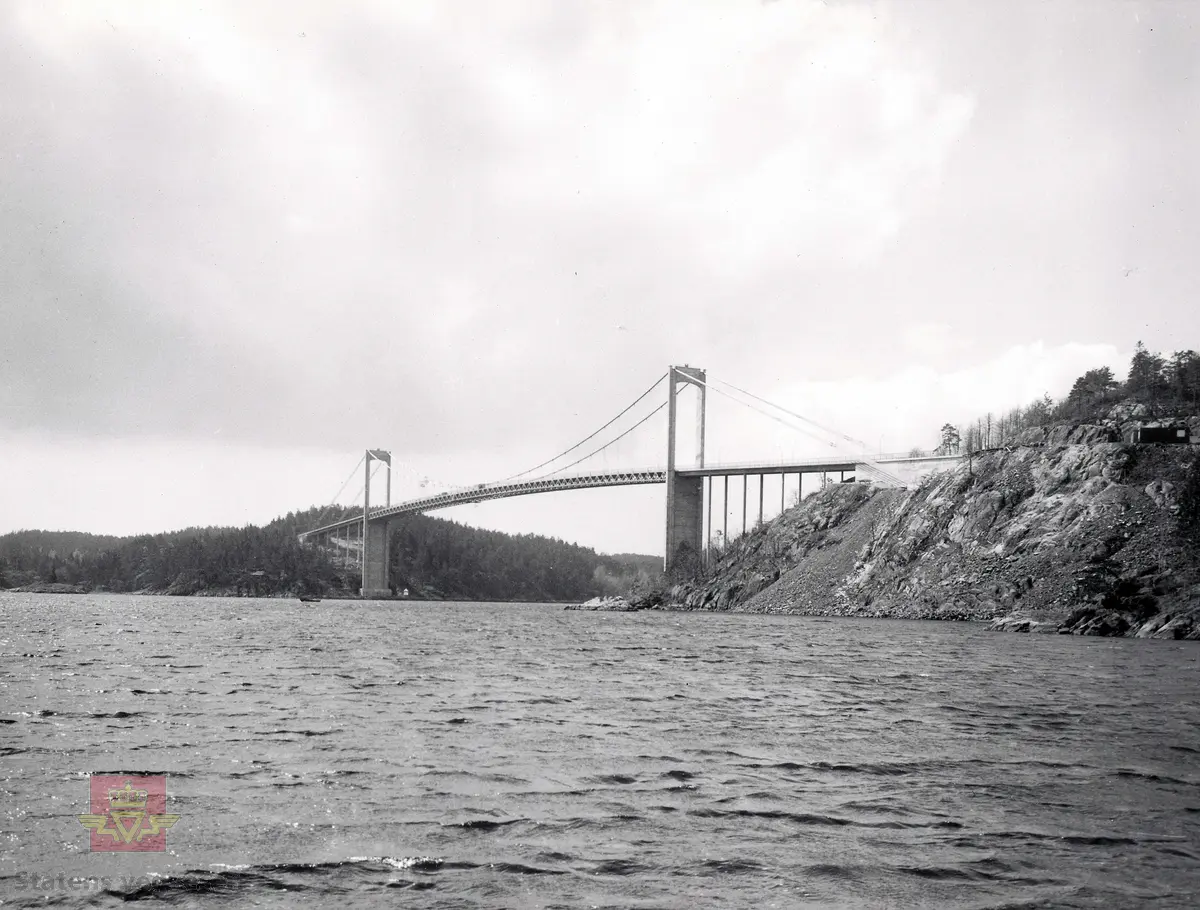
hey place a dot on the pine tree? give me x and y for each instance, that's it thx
(951, 439)
(1183, 375)
(1146, 375)
(1091, 389)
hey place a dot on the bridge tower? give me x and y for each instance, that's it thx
(685, 495)
(376, 535)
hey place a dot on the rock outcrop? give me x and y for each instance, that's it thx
(48, 587)
(604, 605)
(1072, 532)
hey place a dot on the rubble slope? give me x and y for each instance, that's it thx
(1074, 532)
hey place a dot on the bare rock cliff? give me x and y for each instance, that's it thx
(1074, 533)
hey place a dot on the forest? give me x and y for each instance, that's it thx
(432, 557)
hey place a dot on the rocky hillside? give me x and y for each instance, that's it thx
(1071, 531)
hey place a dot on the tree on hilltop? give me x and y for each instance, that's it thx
(1147, 375)
(1092, 387)
(1182, 375)
(1038, 413)
(951, 440)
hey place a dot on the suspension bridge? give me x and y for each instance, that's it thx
(690, 492)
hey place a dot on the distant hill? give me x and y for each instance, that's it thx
(433, 558)
(61, 541)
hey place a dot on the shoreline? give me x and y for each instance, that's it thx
(81, 592)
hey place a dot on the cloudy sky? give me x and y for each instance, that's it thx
(240, 242)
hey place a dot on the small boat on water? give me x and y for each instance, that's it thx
(309, 599)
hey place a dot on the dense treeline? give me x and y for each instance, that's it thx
(1168, 387)
(431, 557)
(443, 559)
(235, 560)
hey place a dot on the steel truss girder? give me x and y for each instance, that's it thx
(485, 492)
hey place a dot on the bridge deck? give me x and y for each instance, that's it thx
(737, 470)
(810, 465)
(487, 491)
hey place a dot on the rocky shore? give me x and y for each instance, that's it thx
(1070, 531)
(48, 587)
(604, 605)
(612, 604)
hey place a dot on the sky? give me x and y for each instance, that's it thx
(241, 242)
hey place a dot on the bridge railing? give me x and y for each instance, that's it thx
(759, 463)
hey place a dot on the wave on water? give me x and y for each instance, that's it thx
(487, 756)
(357, 873)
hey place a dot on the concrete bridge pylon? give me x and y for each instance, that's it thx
(376, 535)
(685, 494)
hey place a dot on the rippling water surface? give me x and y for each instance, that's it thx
(475, 755)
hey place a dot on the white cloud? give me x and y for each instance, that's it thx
(790, 130)
(906, 409)
(932, 341)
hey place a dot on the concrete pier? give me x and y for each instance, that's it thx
(377, 553)
(685, 522)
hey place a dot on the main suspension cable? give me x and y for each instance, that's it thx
(610, 442)
(589, 438)
(327, 510)
(807, 420)
(777, 419)
(873, 465)
(349, 478)
(363, 488)
(766, 414)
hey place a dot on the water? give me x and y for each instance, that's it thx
(455, 755)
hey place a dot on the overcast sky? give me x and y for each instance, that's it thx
(240, 242)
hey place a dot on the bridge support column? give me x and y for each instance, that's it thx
(745, 489)
(725, 517)
(377, 559)
(685, 495)
(708, 528)
(685, 523)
